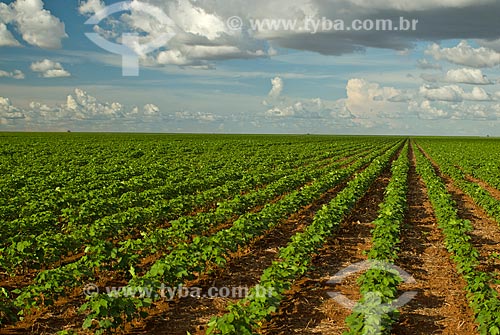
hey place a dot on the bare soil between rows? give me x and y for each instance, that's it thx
(178, 316)
(486, 233)
(307, 308)
(243, 270)
(440, 306)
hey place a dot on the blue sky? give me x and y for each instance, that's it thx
(441, 79)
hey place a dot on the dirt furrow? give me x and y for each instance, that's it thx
(242, 271)
(486, 233)
(65, 308)
(307, 307)
(493, 191)
(440, 306)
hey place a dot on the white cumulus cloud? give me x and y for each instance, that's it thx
(444, 93)
(49, 69)
(80, 108)
(36, 25)
(459, 76)
(477, 94)
(91, 7)
(277, 87)
(8, 112)
(425, 64)
(16, 74)
(6, 37)
(427, 111)
(151, 109)
(467, 76)
(85, 106)
(464, 54)
(367, 100)
(201, 34)
(433, 110)
(453, 93)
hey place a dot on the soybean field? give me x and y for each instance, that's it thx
(248, 234)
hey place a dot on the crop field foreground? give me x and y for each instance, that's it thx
(249, 234)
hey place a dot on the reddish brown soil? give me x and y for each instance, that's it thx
(64, 313)
(307, 308)
(440, 306)
(493, 191)
(486, 233)
(243, 270)
(25, 276)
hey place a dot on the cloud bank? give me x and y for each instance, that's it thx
(36, 25)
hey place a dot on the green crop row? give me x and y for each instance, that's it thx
(476, 157)
(49, 246)
(246, 316)
(480, 196)
(70, 209)
(52, 203)
(483, 299)
(185, 260)
(374, 313)
(54, 282)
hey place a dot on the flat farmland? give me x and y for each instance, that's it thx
(248, 234)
